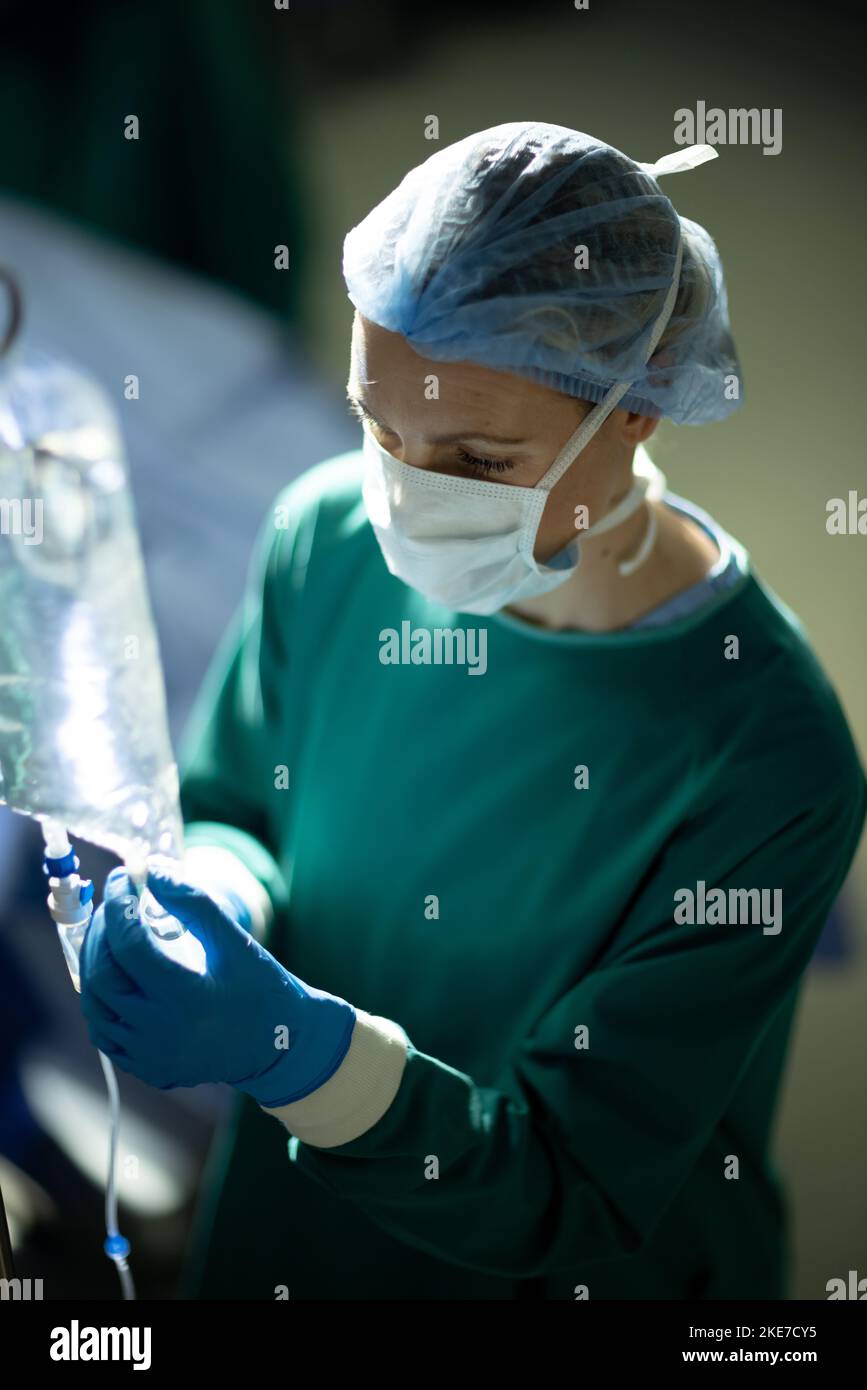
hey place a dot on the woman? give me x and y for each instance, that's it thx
(535, 942)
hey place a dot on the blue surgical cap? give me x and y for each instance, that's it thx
(476, 256)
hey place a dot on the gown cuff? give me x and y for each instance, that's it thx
(358, 1094)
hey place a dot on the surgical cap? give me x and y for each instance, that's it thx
(476, 257)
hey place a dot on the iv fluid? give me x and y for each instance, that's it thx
(83, 730)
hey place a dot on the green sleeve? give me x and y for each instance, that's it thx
(227, 756)
(575, 1156)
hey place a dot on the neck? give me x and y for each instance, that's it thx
(597, 598)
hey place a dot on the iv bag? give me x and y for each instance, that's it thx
(84, 737)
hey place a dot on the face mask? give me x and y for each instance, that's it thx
(468, 544)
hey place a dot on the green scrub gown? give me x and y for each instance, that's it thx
(588, 1100)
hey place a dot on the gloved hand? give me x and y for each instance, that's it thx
(246, 1021)
(226, 879)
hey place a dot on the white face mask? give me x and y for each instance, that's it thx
(468, 544)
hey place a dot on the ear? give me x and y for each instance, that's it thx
(635, 429)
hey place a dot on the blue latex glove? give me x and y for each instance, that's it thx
(246, 1021)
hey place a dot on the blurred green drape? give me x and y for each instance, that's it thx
(212, 183)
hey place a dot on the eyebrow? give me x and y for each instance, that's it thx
(436, 438)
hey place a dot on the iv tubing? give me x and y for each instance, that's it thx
(116, 1246)
(70, 901)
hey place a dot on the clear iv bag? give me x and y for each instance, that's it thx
(83, 731)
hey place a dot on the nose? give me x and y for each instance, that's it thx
(409, 448)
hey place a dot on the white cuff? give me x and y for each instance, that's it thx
(358, 1094)
(212, 867)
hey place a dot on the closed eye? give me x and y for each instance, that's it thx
(482, 464)
(477, 463)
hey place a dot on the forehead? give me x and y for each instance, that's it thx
(386, 371)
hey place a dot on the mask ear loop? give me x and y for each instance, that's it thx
(599, 414)
(676, 163)
(13, 326)
(627, 567)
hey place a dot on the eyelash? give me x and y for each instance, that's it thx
(483, 464)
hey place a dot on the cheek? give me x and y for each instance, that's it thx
(530, 470)
(556, 529)
(567, 509)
